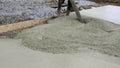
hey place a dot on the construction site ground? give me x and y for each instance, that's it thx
(62, 42)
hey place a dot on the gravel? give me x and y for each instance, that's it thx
(12, 11)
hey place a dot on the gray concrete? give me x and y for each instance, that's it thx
(14, 55)
(108, 13)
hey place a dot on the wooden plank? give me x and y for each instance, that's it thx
(22, 25)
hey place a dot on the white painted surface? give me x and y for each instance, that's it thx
(109, 13)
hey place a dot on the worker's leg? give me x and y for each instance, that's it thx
(60, 2)
(69, 8)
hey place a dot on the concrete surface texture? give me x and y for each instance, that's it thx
(67, 35)
(63, 43)
(14, 55)
(109, 13)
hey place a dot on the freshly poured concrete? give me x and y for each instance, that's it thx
(79, 46)
(108, 13)
(14, 55)
(67, 35)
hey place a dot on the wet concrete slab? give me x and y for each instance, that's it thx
(14, 55)
(108, 13)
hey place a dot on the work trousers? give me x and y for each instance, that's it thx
(60, 2)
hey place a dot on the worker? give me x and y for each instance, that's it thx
(69, 7)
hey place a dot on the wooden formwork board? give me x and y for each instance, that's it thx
(22, 25)
(25, 24)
